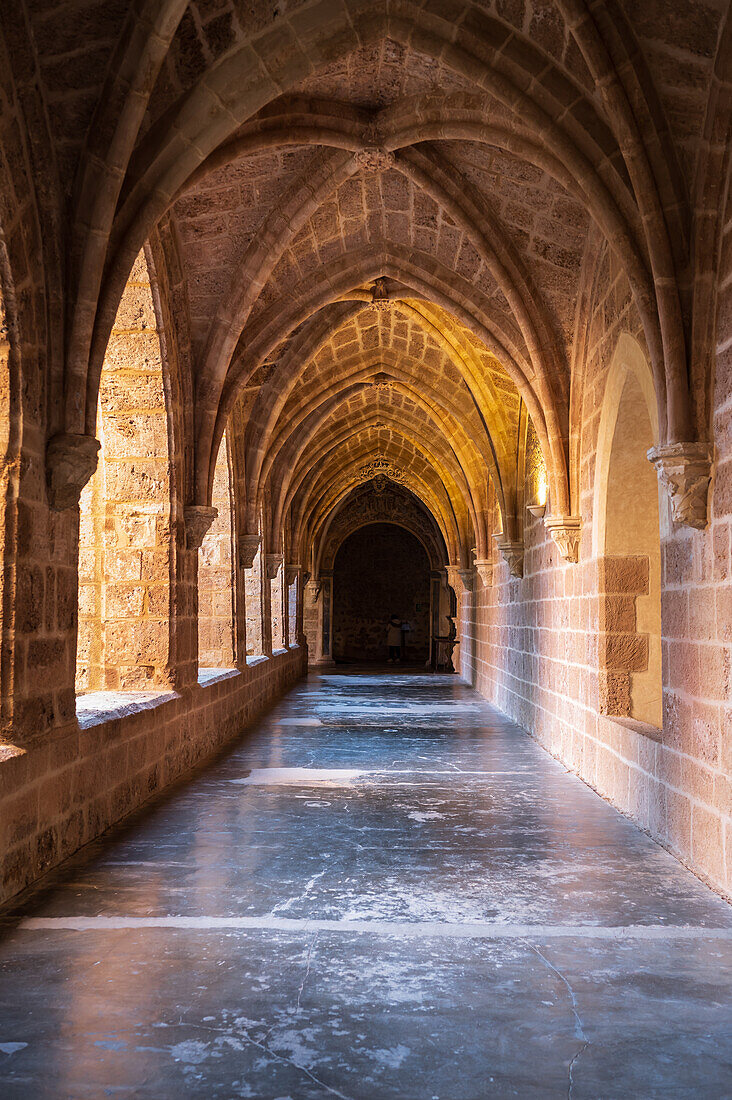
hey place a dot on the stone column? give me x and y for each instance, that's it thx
(250, 586)
(196, 521)
(326, 604)
(293, 574)
(274, 584)
(318, 620)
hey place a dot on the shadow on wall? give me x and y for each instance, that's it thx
(380, 570)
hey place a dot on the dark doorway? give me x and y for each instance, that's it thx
(380, 570)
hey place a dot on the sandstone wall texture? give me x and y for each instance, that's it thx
(66, 789)
(535, 644)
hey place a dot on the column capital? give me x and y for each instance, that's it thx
(248, 546)
(70, 462)
(198, 519)
(292, 571)
(566, 532)
(273, 564)
(513, 554)
(459, 579)
(484, 568)
(685, 470)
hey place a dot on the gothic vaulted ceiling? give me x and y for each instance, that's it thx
(376, 220)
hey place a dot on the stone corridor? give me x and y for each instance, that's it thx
(385, 890)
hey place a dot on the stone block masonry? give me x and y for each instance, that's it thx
(66, 788)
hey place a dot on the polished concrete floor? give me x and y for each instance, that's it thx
(386, 891)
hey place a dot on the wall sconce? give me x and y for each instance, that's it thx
(539, 507)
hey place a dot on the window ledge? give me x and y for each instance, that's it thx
(208, 676)
(259, 659)
(644, 729)
(96, 707)
(281, 649)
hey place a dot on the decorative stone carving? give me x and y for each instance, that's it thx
(566, 532)
(459, 579)
(272, 565)
(685, 470)
(380, 296)
(292, 570)
(70, 461)
(513, 554)
(381, 382)
(387, 503)
(381, 467)
(197, 518)
(248, 546)
(374, 159)
(484, 569)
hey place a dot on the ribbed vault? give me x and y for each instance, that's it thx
(462, 161)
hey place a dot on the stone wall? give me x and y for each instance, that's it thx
(67, 787)
(534, 645)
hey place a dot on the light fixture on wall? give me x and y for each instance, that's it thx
(538, 508)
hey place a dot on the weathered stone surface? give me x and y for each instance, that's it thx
(685, 470)
(512, 552)
(566, 532)
(198, 520)
(70, 461)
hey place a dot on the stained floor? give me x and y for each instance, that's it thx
(386, 891)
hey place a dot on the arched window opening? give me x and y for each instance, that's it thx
(125, 534)
(216, 587)
(253, 581)
(629, 547)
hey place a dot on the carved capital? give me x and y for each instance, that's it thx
(484, 569)
(374, 159)
(272, 565)
(459, 579)
(70, 462)
(380, 299)
(248, 546)
(513, 554)
(198, 519)
(292, 569)
(566, 532)
(685, 470)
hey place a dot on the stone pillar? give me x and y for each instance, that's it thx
(39, 678)
(300, 635)
(184, 649)
(461, 581)
(274, 571)
(250, 580)
(326, 604)
(318, 620)
(293, 574)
